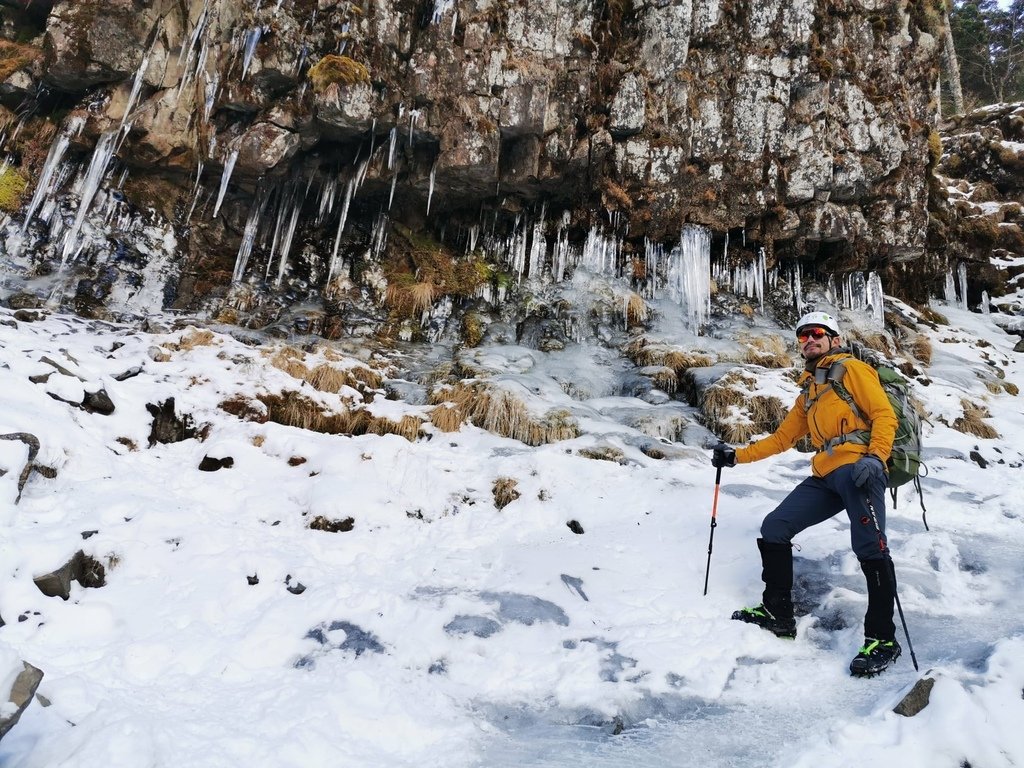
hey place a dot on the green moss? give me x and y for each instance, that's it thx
(12, 188)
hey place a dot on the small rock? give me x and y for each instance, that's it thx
(917, 699)
(98, 402)
(20, 696)
(575, 527)
(83, 568)
(210, 464)
(978, 459)
(253, 580)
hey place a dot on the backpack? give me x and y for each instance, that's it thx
(905, 462)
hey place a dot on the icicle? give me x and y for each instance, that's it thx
(391, 147)
(286, 243)
(413, 115)
(876, 299)
(961, 273)
(441, 7)
(950, 288)
(249, 235)
(209, 97)
(391, 195)
(690, 273)
(430, 192)
(341, 227)
(538, 246)
(45, 185)
(252, 39)
(327, 194)
(229, 167)
(985, 309)
(90, 186)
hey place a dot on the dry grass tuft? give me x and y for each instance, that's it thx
(333, 69)
(664, 378)
(325, 377)
(636, 310)
(1011, 388)
(643, 353)
(502, 413)
(766, 351)
(876, 341)
(447, 418)
(296, 410)
(972, 422)
(192, 338)
(921, 348)
(504, 491)
(731, 412)
(604, 453)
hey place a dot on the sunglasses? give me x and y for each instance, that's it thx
(811, 333)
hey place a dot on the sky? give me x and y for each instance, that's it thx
(566, 627)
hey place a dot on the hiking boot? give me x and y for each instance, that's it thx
(874, 657)
(765, 619)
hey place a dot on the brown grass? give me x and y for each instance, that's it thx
(736, 416)
(14, 56)
(502, 413)
(921, 348)
(643, 353)
(972, 422)
(665, 379)
(193, 338)
(504, 491)
(876, 341)
(294, 409)
(337, 70)
(766, 351)
(636, 310)
(447, 418)
(325, 377)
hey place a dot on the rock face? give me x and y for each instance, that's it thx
(262, 143)
(982, 224)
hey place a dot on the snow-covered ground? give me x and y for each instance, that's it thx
(443, 631)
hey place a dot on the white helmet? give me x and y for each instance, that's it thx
(822, 319)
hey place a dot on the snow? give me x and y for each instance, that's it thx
(442, 630)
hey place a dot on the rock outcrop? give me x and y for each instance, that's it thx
(256, 155)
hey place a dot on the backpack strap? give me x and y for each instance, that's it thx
(832, 378)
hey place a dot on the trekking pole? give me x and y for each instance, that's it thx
(714, 524)
(892, 575)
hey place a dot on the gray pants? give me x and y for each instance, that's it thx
(817, 499)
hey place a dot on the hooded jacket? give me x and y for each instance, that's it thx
(829, 416)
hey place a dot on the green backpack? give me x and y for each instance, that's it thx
(905, 463)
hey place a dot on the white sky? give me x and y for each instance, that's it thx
(443, 631)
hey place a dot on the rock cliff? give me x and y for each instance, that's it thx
(256, 155)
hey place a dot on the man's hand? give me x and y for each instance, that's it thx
(868, 470)
(723, 455)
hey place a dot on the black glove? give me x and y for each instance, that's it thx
(868, 470)
(723, 455)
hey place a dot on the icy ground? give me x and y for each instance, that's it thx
(443, 631)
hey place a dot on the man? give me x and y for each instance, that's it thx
(852, 425)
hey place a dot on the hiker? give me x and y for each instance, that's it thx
(848, 468)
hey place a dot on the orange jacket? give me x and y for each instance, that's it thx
(829, 416)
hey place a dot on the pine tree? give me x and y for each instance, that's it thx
(989, 43)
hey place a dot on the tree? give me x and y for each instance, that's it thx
(989, 43)
(1006, 52)
(951, 63)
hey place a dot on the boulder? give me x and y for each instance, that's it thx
(18, 696)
